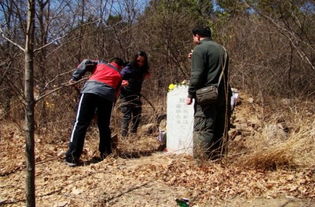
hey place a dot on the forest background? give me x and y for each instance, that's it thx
(270, 42)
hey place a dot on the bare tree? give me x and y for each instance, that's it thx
(28, 100)
(30, 103)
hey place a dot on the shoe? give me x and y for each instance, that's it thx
(104, 155)
(100, 158)
(96, 159)
(71, 162)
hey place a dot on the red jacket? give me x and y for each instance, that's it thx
(105, 80)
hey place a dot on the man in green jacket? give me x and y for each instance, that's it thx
(211, 120)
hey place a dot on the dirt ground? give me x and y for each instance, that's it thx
(143, 176)
(141, 181)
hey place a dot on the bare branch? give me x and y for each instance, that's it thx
(6, 70)
(16, 90)
(288, 34)
(58, 88)
(46, 45)
(9, 40)
(57, 76)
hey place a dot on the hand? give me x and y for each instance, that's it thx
(190, 54)
(188, 101)
(124, 83)
(147, 75)
(72, 81)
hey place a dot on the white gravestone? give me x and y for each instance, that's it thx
(180, 122)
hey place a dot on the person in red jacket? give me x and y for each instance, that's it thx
(97, 97)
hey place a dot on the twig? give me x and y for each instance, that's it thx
(58, 38)
(11, 41)
(46, 45)
(7, 64)
(150, 103)
(5, 72)
(58, 88)
(57, 76)
(127, 191)
(16, 90)
(287, 34)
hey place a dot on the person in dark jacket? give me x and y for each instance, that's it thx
(134, 74)
(97, 97)
(211, 121)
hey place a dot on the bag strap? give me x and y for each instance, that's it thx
(223, 67)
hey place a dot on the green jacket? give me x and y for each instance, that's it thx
(207, 63)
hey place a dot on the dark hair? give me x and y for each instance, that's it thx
(145, 67)
(202, 31)
(118, 60)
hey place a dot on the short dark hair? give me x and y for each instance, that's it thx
(202, 31)
(118, 60)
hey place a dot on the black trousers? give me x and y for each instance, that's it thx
(131, 108)
(89, 105)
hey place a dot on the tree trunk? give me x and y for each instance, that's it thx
(29, 107)
(42, 58)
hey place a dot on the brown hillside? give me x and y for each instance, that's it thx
(270, 163)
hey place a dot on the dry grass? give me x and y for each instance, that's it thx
(295, 152)
(286, 139)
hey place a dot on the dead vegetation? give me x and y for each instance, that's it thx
(272, 139)
(271, 157)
